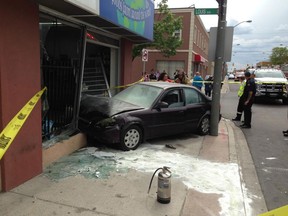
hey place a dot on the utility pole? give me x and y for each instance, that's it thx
(220, 47)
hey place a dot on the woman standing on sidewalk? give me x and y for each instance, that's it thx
(197, 81)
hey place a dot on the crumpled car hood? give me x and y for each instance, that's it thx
(98, 108)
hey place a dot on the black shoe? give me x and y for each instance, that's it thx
(245, 126)
(236, 119)
(285, 134)
(285, 131)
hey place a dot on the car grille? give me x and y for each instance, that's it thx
(272, 87)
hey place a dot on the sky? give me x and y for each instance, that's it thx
(252, 42)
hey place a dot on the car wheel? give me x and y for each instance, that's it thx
(131, 138)
(285, 100)
(204, 126)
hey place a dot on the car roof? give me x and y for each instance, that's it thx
(165, 85)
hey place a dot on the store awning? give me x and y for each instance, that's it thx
(198, 58)
(90, 18)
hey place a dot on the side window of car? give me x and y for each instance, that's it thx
(192, 96)
(173, 99)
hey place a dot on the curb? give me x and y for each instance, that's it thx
(247, 172)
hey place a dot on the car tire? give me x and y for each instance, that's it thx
(204, 126)
(131, 138)
(285, 101)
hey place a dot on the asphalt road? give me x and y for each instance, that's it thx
(268, 146)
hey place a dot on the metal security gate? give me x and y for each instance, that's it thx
(59, 76)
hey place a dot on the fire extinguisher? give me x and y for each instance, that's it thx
(164, 185)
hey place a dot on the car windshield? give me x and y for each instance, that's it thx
(140, 95)
(270, 74)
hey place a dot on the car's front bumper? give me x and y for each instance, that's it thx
(109, 134)
(276, 95)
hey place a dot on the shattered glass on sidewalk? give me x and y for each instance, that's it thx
(83, 162)
(201, 175)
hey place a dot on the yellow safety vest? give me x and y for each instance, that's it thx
(241, 88)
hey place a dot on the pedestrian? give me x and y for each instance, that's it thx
(241, 101)
(285, 133)
(176, 74)
(197, 81)
(164, 77)
(181, 78)
(158, 74)
(249, 96)
(146, 77)
(208, 85)
(152, 75)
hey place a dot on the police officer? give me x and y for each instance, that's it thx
(241, 101)
(249, 96)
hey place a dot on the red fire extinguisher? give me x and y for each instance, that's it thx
(164, 185)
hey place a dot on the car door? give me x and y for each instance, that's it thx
(168, 120)
(196, 107)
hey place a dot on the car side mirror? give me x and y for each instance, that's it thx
(162, 104)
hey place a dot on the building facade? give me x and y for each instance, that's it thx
(192, 55)
(72, 47)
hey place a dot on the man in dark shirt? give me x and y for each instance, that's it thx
(249, 96)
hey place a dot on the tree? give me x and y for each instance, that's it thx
(164, 28)
(279, 56)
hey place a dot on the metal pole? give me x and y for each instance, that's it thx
(215, 109)
(144, 67)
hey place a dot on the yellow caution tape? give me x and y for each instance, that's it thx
(124, 86)
(237, 82)
(229, 82)
(282, 211)
(11, 130)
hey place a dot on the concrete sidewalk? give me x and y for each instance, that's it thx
(125, 193)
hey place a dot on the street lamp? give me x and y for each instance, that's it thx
(247, 21)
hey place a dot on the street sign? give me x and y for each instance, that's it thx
(205, 11)
(144, 55)
(227, 46)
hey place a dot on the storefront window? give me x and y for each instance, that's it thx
(61, 47)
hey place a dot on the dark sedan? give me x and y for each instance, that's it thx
(143, 111)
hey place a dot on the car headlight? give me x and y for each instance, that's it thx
(285, 87)
(108, 122)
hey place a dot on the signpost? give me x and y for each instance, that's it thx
(219, 56)
(206, 11)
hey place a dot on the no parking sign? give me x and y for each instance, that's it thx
(144, 55)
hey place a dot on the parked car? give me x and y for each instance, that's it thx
(238, 75)
(143, 111)
(231, 76)
(284, 68)
(271, 83)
